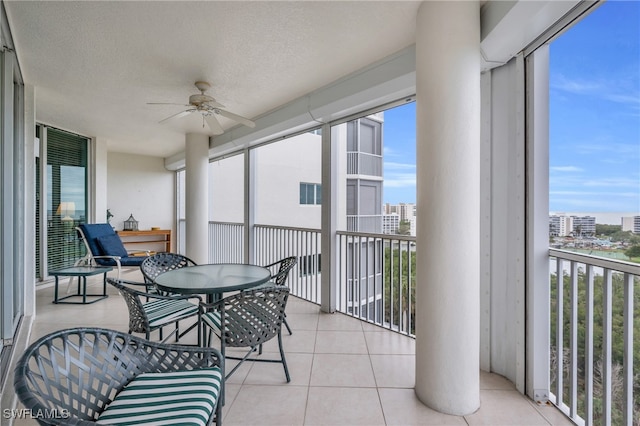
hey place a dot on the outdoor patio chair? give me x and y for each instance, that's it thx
(250, 318)
(105, 248)
(157, 311)
(160, 263)
(280, 272)
(82, 376)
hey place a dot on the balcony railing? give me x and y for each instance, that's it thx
(375, 273)
(364, 223)
(360, 163)
(376, 279)
(593, 374)
(226, 241)
(273, 243)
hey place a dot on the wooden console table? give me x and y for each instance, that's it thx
(148, 240)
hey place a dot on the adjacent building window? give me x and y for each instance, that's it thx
(310, 193)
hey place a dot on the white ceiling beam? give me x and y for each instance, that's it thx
(508, 27)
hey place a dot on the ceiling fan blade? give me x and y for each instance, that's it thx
(214, 124)
(214, 104)
(235, 117)
(178, 115)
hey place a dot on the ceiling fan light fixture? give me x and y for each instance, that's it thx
(208, 107)
(202, 86)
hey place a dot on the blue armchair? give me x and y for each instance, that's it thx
(105, 248)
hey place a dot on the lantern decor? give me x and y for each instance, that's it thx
(130, 224)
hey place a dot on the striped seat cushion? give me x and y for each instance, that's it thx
(212, 320)
(166, 311)
(175, 398)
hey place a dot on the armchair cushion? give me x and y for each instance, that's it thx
(164, 311)
(111, 245)
(187, 397)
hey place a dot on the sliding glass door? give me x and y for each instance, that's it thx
(64, 205)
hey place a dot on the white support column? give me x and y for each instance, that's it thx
(538, 293)
(197, 197)
(329, 219)
(249, 205)
(448, 195)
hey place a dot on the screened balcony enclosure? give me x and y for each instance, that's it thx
(448, 316)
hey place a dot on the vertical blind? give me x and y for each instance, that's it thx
(66, 196)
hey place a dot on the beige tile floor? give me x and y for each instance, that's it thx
(343, 372)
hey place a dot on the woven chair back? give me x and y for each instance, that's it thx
(76, 373)
(253, 317)
(160, 263)
(138, 321)
(283, 267)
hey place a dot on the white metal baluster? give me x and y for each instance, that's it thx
(390, 275)
(588, 347)
(409, 287)
(573, 361)
(559, 331)
(628, 349)
(606, 344)
(367, 275)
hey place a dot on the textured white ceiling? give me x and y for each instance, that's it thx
(95, 64)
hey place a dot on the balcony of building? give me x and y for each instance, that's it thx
(344, 371)
(478, 333)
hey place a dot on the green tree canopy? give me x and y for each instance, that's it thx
(404, 228)
(633, 251)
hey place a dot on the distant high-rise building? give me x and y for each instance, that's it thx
(584, 226)
(390, 223)
(631, 223)
(405, 212)
(561, 225)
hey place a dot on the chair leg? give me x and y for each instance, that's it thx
(284, 361)
(286, 324)
(191, 327)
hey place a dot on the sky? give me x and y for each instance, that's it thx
(594, 93)
(400, 154)
(594, 83)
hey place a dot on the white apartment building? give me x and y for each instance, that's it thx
(631, 223)
(390, 223)
(286, 182)
(405, 212)
(561, 225)
(584, 226)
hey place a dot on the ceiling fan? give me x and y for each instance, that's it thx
(208, 108)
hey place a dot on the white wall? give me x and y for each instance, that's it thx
(280, 168)
(226, 189)
(140, 185)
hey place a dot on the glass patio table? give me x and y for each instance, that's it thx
(212, 279)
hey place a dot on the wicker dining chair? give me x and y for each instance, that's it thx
(280, 272)
(82, 376)
(160, 263)
(250, 318)
(157, 311)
